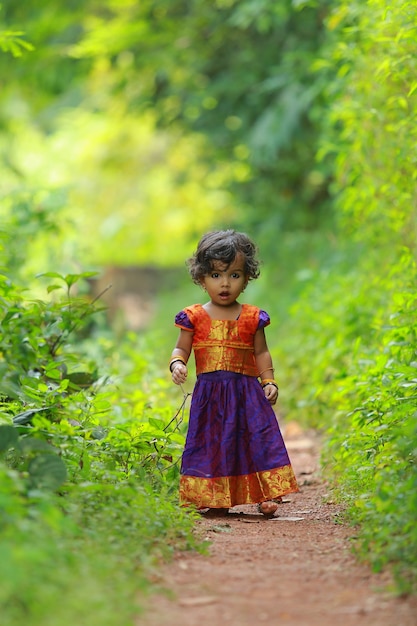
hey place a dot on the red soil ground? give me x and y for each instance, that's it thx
(296, 569)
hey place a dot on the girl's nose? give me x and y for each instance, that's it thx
(225, 279)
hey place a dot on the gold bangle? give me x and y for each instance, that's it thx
(268, 381)
(178, 358)
(174, 359)
(267, 370)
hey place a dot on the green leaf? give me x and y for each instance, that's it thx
(8, 438)
(177, 438)
(51, 288)
(81, 379)
(412, 89)
(51, 371)
(50, 275)
(26, 416)
(156, 423)
(71, 279)
(47, 471)
(98, 433)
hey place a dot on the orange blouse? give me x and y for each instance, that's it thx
(223, 344)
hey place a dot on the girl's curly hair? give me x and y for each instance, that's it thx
(223, 246)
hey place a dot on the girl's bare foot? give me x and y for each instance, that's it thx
(267, 508)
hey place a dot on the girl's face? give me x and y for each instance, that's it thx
(225, 283)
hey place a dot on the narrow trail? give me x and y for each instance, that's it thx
(295, 569)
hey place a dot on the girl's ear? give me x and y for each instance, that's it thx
(202, 285)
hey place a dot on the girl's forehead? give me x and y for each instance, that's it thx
(238, 263)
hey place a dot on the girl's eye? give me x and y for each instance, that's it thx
(214, 275)
(235, 275)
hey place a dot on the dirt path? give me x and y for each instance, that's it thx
(294, 570)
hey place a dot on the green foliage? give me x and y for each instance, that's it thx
(354, 375)
(222, 122)
(374, 117)
(74, 151)
(377, 193)
(33, 457)
(354, 372)
(379, 442)
(88, 467)
(85, 557)
(11, 41)
(35, 365)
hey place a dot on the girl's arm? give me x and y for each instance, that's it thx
(181, 352)
(265, 367)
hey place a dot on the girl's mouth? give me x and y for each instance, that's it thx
(224, 294)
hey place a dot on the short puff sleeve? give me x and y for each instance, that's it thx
(264, 319)
(183, 321)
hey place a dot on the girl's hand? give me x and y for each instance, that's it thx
(271, 393)
(179, 373)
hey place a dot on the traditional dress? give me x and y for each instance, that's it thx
(234, 451)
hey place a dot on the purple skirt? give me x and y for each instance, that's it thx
(234, 451)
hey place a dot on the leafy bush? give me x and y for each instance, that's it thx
(350, 349)
(84, 557)
(88, 467)
(373, 444)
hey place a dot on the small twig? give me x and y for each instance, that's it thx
(180, 410)
(94, 300)
(178, 422)
(71, 329)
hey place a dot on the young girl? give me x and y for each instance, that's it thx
(234, 452)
